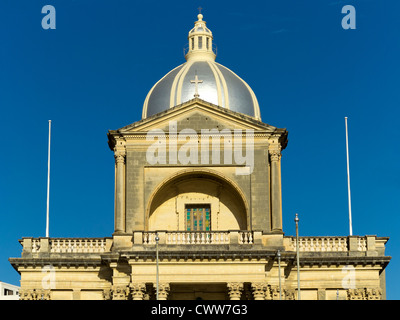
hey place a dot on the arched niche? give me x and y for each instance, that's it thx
(167, 207)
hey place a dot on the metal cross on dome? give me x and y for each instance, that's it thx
(196, 81)
(200, 8)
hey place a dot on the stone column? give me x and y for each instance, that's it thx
(235, 290)
(138, 290)
(119, 192)
(276, 192)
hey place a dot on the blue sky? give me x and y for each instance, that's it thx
(92, 74)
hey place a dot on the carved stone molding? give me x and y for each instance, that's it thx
(235, 290)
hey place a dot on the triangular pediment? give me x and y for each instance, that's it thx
(197, 114)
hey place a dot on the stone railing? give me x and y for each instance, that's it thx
(232, 237)
(323, 244)
(78, 245)
(198, 237)
(66, 245)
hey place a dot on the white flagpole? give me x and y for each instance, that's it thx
(48, 184)
(348, 176)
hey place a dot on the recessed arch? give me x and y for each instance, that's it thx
(229, 206)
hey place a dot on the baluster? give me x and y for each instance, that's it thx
(188, 238)
(192, 237)
(341, 244)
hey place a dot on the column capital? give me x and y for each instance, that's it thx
(373, 294)
(275, 154)
(235, 290)
(355, 294)
(107, 294)
(289, 294)
(259, 290)
(163, 290)
(119, 157)
(138, 290)
(120, 292)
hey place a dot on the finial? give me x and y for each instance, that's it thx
(200, 16)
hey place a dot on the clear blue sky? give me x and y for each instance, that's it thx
(92, 74)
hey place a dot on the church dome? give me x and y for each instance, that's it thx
(201, 77)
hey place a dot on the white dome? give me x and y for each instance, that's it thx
(200, 76)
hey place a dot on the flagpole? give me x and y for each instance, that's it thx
(296, 220)
(348, 176)
(48, 184)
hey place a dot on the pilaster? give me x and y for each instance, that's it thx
(276, 192)
(120, 156)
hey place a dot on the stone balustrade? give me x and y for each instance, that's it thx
(324, 244)
(100, 245)
(66, 245)
(200, 237)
